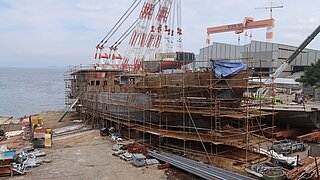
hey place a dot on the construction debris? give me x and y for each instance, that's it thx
(104, 132)
(264, 171)
(24, 161)
(17, 151)
(46, 160)
(13, 133)
(278, 158)
(39, 153)
(126, 156)
(137, 149)
(307, 171)
(118, 147)
(287, 146)
(164, 166)
(118, 153)
(151, 162)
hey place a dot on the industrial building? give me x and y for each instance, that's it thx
(257, 52)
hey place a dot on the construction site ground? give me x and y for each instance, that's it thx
(88, 156)
(85, 156)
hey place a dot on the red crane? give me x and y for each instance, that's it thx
(248, 23)
(156, 22)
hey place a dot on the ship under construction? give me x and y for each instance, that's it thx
(159, 100)
(193, 113)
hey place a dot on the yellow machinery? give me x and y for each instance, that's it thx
(35, 120)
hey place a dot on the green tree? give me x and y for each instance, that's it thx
(311, 76)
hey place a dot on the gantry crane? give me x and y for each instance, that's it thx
(248, 23)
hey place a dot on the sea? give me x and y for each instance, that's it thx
(25, 91)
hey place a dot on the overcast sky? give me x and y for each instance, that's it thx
(42, 33)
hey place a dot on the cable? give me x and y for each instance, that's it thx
(173, 15)
(121, 23)
(179, 13)
(113, 28)
(125, 34)
(117, 22)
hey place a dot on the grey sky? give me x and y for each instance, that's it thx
(41, 33)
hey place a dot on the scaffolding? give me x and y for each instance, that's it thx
(192, 113)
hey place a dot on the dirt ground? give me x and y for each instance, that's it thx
(51, 119)
(85, 156)
(88, 157)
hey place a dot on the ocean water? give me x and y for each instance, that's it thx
(25, 91)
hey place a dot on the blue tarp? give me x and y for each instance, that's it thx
(224, 69)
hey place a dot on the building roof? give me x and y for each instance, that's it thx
(287, 81)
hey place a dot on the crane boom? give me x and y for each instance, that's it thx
(288, 61)
(238, 28)
(248, 23)
(303, 45)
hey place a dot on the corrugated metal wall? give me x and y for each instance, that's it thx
(256, 51)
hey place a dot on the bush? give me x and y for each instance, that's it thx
(311, 76)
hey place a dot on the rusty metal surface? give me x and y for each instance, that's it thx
(5, 169)
(307, 171)
(190, 107)
(287, 133)
(313, 136)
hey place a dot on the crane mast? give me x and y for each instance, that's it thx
(270, 8)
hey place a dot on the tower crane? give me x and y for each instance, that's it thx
(270, 8)
(248, 23)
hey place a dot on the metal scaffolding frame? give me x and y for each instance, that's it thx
(188, 113)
